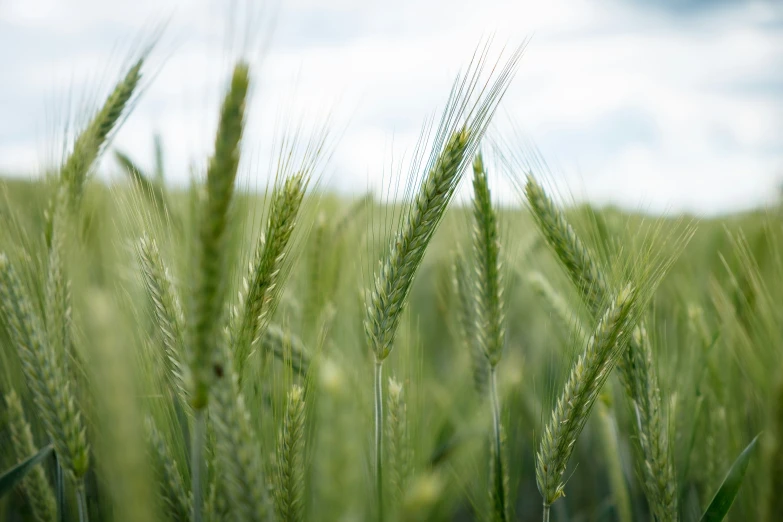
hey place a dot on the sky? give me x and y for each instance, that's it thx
(665, 106)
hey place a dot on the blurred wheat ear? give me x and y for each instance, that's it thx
(490, 324)
(44, 373)
(89, 144)
(262, 285)
(36, 485)
(208, 300)
(290, 484)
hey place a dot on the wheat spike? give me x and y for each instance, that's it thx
(45, 376)
(289, 493)
(36, 486)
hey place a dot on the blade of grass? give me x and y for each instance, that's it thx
(728, 490)
(13, 476)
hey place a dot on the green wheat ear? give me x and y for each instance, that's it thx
(35, 484)
(393, 282)
(397, 434)
(467, 323)
(45, 376)
(289, 492)
(588, 375)
(89, 143)
(167, 311)
(263, 283)
(170, 484)
(490, 323)
(239, 459)
(490, 309)
(209, 298)
(636, 369)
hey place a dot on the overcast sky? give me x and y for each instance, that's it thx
(666, 105)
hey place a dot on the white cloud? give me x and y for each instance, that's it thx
(637, 105)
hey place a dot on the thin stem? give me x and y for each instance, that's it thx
(196, 462)
(81, 501)
(498, 479)
(546, 512)
(379, 436)
(60, 483)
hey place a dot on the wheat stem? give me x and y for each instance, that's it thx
(498, 493)
(81, 501)
(378, 388)
(198, 434)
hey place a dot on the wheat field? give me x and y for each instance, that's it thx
(213, 353)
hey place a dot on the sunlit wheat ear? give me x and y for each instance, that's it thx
(167, 310)
(488, 289)
(90, 142)
(263, 283)
(239, 459)
(636, 368)
(45, 377)
(211, 280)
(399, 451)
(289, 491)
(36, 486)
(573, 407)
(170, 484)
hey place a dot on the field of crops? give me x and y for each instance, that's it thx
(210, 353)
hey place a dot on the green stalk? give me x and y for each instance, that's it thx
(196, 462)
(498, 480)
(379, 436)
(545, 518)
(81, 501)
